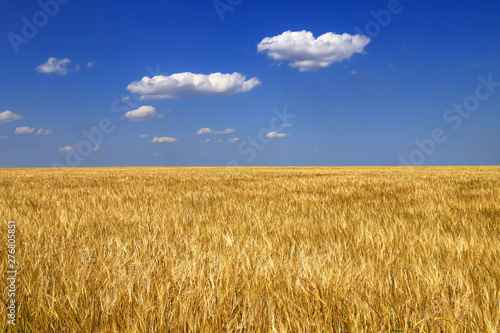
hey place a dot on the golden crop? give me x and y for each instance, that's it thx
(316, 249)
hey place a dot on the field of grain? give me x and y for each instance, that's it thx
(319, 249)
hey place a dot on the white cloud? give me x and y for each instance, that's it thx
(192, 85)
(144, 136)
(277, 135)
(205, 141)
(307, 53)
(163, 139)
(97, 147)
(145, 112)
(24, 130)
(226, 131)
(65, 150)
(233, 140)
(8, 116)
(41, 131)
(287, 125)
(91, 64)
(57, 66)
(354, 72)
(207, 130)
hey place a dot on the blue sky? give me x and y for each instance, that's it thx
(368, 83)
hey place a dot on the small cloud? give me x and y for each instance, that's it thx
(390, 66)
(41, 131)
(277, 135)
(286, 125)
(124, 98)
(91, 64)
(57, 66)
(144, 136)
(207, 130)
(24, 130)
(161, 116)
(97, 147)
(226, 131)
(8, 116)
(219, 141)
(337, 111)
(205, 141)
(3, 137)
(156, 154)
(307, 53)
(233, 140)
(187, 84)
(163, 139)
(65, 150)
(353, 72)
(145, 112)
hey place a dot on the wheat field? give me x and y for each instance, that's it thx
(285, 249)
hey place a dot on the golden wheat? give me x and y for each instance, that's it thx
(317, 249)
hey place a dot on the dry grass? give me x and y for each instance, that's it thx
(255, 249)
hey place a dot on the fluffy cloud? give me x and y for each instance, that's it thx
(233, 140)
(163, 139)
(307, 53)
(57, 66)
(207, 130)
(91, 64)
(192, 85)
(24, 130)
(277, 135)
(65, 150)
(8, 116)
(41, 131)
(145, 112)
(226, 131)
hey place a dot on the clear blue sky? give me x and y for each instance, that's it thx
(366, 92)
